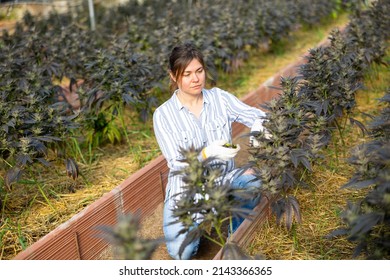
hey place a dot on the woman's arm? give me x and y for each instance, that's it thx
(240, 112)
(166, 141)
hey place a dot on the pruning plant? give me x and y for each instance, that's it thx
(283, 150)
(208, 199)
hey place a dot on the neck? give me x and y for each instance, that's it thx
(190, 100)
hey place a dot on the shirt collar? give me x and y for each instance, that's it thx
(180, 106)
(206, 98)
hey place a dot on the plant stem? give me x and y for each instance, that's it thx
(3, 207)
(90, 153)
(336, 150)
(122, 120)
(2, 233)
(2, 251)
(303, 174)
(78, 150)
(46, 198)
(21, 238)
(219, 232)
(341, 136)
(213, 240)
(10, 165)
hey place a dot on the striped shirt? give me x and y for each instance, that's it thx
(175, 126)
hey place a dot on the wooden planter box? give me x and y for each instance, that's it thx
(141, 192)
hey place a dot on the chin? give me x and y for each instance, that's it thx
(196, 91)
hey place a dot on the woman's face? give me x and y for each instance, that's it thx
(193, 79)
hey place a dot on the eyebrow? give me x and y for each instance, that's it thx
(194, 71)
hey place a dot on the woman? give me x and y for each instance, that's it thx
(196, 117)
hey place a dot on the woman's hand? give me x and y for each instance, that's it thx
(217, 150)
(256, 128)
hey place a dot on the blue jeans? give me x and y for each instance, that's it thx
(173, 242)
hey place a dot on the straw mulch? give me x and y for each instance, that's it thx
(320, 208)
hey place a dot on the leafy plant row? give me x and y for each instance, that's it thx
(367, 222)
(223, 29)
(315, 104)
(61, 83)
(301, 121)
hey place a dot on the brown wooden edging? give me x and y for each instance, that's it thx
(247, 230)
(78, 238)
(142, 192)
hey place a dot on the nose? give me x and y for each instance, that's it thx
(195, 77)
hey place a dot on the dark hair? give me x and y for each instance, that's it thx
(180, 58)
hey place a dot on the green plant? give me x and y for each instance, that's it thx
(301, 118)
(367, 221)
(280, 154)
(124, 237)
(32, 119)
(206, 199)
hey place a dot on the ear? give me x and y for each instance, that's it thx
(172, 76)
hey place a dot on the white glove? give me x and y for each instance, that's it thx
(216, 149)
(256, 128)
